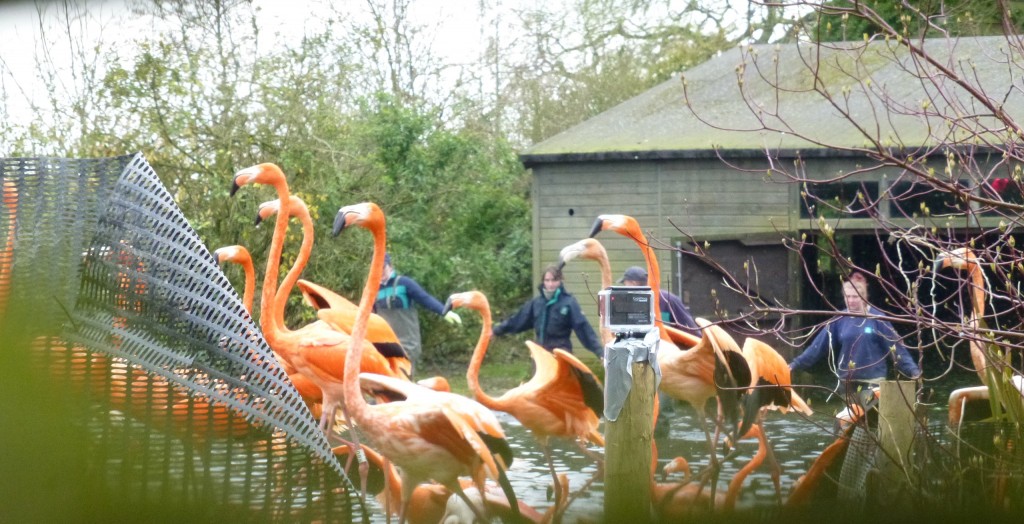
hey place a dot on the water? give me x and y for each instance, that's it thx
(796, 440)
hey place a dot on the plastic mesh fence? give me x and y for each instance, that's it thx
(979, 465)
(118, 310)
(860, 458)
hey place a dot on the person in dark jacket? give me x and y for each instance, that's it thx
(860, 347)
(396, 303)
(554, 316)
(673, 310)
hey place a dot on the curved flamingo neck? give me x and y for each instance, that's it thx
(755, 462)
(601, 257)
(267, 322)
(473, 373)
(977, 288)
(250, 283)
(653, 271)
(354, 401)
(606, 270)
(285, 289)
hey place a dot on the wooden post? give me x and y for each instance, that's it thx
(896, 425)
(628, 440)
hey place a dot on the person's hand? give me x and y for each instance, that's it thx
(452, 317)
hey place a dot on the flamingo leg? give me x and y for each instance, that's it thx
(326, 424)
(480, 514)
(551, 468)
(407, 488)
(773, 463)
(711, 474)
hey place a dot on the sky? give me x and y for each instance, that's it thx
(21, 38)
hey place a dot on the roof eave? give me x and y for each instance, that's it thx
(530, 159)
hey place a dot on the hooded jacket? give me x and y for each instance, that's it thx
(553, 321)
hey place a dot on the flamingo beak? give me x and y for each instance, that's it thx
(340, 221)
(259, 220)
(448, 304)
(234, 186)
(597, 228)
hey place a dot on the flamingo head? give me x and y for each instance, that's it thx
(236, 254)
(587, 248)
(367, 215)
(677, 465)
(960, 258)
(471, 299)
(622, 224)
(266, 173)
(271, 207)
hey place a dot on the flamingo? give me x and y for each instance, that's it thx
(316, 350)
(771, 388)
(379, 332)
(428, 434)
(808, 486)
(591, 249)
(695, 374)
(678, 500)
(456, 511)
(428, 500)
(987, 361)
(239, 255)
(562, 399)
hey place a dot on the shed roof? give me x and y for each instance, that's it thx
(862, 77)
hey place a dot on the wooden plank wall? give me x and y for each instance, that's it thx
(704, 198)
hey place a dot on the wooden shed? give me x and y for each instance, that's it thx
(702, 175)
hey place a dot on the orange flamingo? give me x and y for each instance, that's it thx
(712, 361)
(379, 332)
(427, 435)
(678, 500)
(771, 388)
(239, 255)
(988, 363)
(964, 259)
(562, 399)
(456, 511)
(591, 249)
(428, 500)
(763, 451)
(809, 485)
(316, 350)
(771, 385)
(309, 391)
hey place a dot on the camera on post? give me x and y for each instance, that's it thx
(627, 309)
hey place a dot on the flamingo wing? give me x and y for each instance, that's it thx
(319, 297)
(589, 385)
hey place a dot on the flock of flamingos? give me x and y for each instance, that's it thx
(430, 444)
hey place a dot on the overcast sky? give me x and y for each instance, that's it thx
(21, 38)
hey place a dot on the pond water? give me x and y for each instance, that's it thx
(796, 441)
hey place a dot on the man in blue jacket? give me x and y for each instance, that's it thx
(554, 316)
(865, 344)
